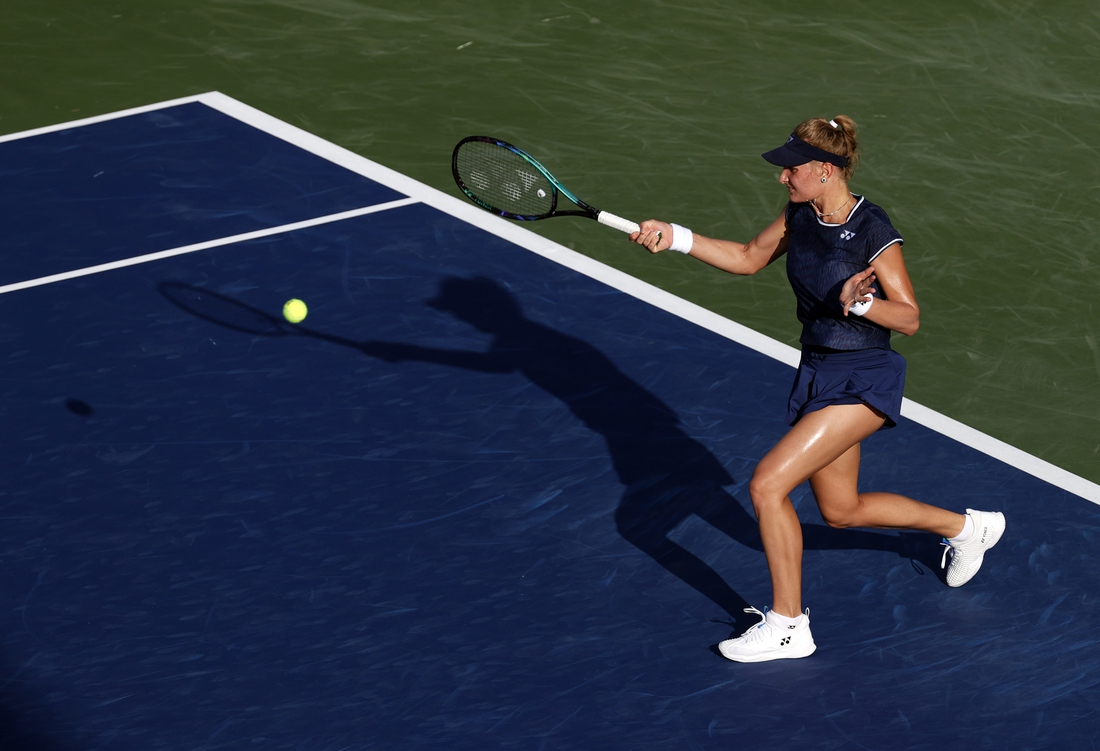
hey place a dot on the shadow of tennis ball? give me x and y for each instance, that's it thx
(77, 407)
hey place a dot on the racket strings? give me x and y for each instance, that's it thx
(502, 179)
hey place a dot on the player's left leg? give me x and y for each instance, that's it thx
(814, 442)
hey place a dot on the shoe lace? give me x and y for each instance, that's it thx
(752, 633)
(946, 549)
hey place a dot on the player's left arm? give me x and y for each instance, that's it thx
(897, 308)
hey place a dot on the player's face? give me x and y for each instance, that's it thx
(803, 182)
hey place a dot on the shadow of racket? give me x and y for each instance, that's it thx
(233, 314)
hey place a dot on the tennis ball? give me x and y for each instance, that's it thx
(295, 310)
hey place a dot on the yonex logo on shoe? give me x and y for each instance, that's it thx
(784, 641)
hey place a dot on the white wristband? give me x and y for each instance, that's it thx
(682, 239)
(861, 307)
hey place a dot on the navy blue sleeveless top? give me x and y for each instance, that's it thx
(821, 257)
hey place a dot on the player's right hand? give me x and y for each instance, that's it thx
(654, 236)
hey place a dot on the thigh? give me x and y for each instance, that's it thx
(814, 443)
(836, 486)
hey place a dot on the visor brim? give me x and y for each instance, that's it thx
(785, 157)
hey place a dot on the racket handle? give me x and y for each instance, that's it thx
(623, 225)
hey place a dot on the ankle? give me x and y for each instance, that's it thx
(967, 531)
(783, 621)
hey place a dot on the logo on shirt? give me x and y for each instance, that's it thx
(847, 234)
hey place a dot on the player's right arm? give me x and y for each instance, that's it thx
(736, 258)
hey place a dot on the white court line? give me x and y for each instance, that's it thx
(102, 118)
(184, 249)
(614, 278)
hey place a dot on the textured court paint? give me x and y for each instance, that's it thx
(505, 527)
(390, 178)
(451, 512)
(978, 120)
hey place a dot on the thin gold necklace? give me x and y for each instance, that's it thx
(831, 213)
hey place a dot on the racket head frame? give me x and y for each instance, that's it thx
(555, 184)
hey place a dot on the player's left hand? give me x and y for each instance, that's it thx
(858, 288)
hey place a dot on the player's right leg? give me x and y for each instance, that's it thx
(967, 537)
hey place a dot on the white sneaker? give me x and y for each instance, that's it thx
(966, 557)
(766, 641)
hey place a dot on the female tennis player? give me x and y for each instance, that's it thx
(845, 264)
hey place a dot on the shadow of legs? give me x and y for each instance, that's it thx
(647, 515)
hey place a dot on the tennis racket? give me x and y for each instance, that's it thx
(507, 181)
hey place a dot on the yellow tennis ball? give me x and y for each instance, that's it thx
(295, 310)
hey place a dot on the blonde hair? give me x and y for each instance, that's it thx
(839, 139)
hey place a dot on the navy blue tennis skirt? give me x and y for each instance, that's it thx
(875, 377)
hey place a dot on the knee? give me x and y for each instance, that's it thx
(841, 515)
(838, 520)
(766, 491)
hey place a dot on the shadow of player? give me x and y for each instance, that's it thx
(668, 476)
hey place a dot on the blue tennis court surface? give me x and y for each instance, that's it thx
(476, 500)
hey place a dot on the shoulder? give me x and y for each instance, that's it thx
(871, 214)
(874, 224)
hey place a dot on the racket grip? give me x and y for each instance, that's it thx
(617, 222)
